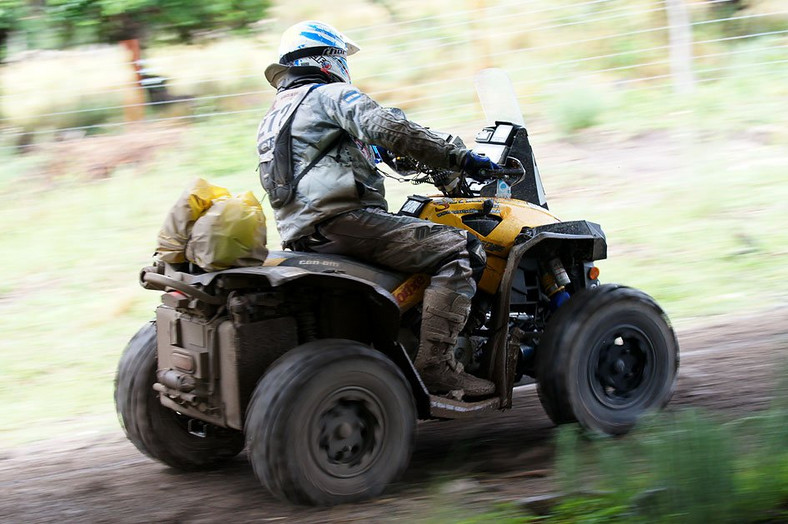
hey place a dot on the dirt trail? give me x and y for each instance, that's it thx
(730, 367)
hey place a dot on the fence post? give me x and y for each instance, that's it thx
(134, 98)
(481, 31)
(680, 32)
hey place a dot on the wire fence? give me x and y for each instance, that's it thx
(538, 44)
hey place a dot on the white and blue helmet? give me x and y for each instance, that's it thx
(316, 44)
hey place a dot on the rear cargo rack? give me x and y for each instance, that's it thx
(162, 282)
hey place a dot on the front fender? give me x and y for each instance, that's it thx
(581, 239)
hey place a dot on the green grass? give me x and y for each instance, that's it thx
(704, 239)
(705, 236)
(698, 240)
(685, 467)
(577, 108)
(70, 299)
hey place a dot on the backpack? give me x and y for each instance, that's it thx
(276, 172)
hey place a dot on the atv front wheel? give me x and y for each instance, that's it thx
(608, 356)
(332, 421)
(157, 431)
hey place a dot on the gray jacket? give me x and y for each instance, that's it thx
(346, 177)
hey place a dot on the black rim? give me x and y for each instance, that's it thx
(349, 432)
(620, 367)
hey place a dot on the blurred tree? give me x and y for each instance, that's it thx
(389, 6)
(86, 21)
(113, 20)
(10, 13)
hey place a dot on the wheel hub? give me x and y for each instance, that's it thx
(622, 363)
(349, 433)
(344, 430)
(344, 433)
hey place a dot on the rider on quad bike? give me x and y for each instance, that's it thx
(317, 164)
(307, 360)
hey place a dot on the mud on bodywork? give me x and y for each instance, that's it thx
(212, 355)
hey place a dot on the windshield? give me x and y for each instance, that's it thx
(497, 96)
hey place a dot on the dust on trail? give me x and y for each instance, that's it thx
(730, 368)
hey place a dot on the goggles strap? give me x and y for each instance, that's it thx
(311, 51)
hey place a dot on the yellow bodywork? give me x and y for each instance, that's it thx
(514, 214)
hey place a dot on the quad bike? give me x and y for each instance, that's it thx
(307, 360)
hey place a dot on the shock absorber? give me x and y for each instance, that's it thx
(554, 282)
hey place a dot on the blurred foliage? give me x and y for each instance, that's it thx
(577, 108)
(568, 463)
(86, 21)
(10, 13)
(680, 467)
(619, 46)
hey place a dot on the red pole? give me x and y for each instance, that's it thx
(134, 97)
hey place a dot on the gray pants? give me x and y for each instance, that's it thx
(454, 258)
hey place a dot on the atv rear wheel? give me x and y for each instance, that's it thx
(157, 431)
(332, 421)
(608, 356)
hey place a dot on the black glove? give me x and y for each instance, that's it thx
(473, 164)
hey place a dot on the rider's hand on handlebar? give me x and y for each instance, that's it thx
(473, 165)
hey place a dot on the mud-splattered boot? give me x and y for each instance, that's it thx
(443, 316)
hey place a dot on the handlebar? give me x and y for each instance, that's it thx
(504, 172)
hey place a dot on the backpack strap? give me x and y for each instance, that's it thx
(284, 188)
(289, 121)
(318, 158)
